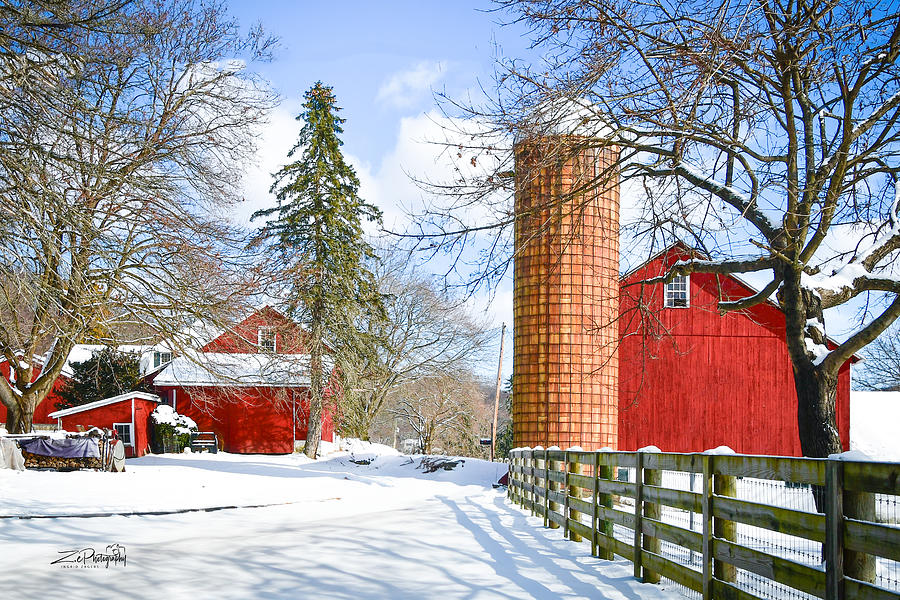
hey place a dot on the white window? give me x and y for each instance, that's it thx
(161, 358)
(266, 339)
(677, 295)
(125, 433)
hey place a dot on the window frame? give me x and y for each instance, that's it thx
(671, 293)
(264, 330)
(130, 441)
(158, 357)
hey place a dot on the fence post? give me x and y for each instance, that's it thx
(705, 501)
(574, 492)
(554, 486)
(858, 505)
(606, 500)
(724, 485)
(638, 512)
(511, 479)
(532, 464)
(566, 490)
(651, 511)
(833, 550)
(546, 466)
(594, 523)
(520, 488)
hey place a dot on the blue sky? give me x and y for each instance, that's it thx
(384, 61)
(382, 58)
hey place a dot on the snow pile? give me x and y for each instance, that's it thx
(653, 449)
(873, 424)
(166, 415)
(720, 451)
(851, 455)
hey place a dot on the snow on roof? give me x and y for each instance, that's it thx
(226, 369)
(105, 402)
(83, 352)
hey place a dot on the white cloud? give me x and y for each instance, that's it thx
(276, 140)
(406, 88)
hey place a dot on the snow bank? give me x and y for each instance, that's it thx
(873, 424)
(378, 478)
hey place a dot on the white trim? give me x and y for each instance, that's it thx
(130, 441)
(175, 399)
(106, 402)
(671, 294)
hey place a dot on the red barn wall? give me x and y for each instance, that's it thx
(243, 337)
(711, 380)
(47, 405)
(251, 420)
(120, 412)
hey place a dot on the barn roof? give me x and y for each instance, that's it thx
(105, 402)
(231, 369)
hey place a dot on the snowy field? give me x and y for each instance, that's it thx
(332, 527)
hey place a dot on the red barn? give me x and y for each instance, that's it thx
(691, 379)
(128, 414)
(249, 385)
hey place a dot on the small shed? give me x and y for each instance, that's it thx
(128, 414)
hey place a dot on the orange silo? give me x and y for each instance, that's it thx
(566, 285)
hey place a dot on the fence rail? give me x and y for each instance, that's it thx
(725, 526)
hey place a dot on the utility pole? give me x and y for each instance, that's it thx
(497, 395)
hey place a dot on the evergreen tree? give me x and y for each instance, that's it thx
(105, 374)
(315, 231)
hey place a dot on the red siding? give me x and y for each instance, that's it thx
(691, 379)
(252, 420)
(120, 412)
(242, 338)
(47, 406)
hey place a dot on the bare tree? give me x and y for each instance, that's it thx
(881, 369)
(442, 409)
(426, 329)
(115, 172)
(762, 132)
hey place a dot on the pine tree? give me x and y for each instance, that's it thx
(105, 374)
(316, 235)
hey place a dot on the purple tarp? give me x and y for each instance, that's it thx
(69, 448)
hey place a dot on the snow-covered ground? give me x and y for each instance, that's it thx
(333, 528)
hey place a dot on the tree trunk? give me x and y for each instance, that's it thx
(816, 393)
(316, 390)
(314, 424)
(20, 418)
(816, 419)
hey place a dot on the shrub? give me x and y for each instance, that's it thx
(171, 431)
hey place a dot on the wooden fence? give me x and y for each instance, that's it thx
(580, 492)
